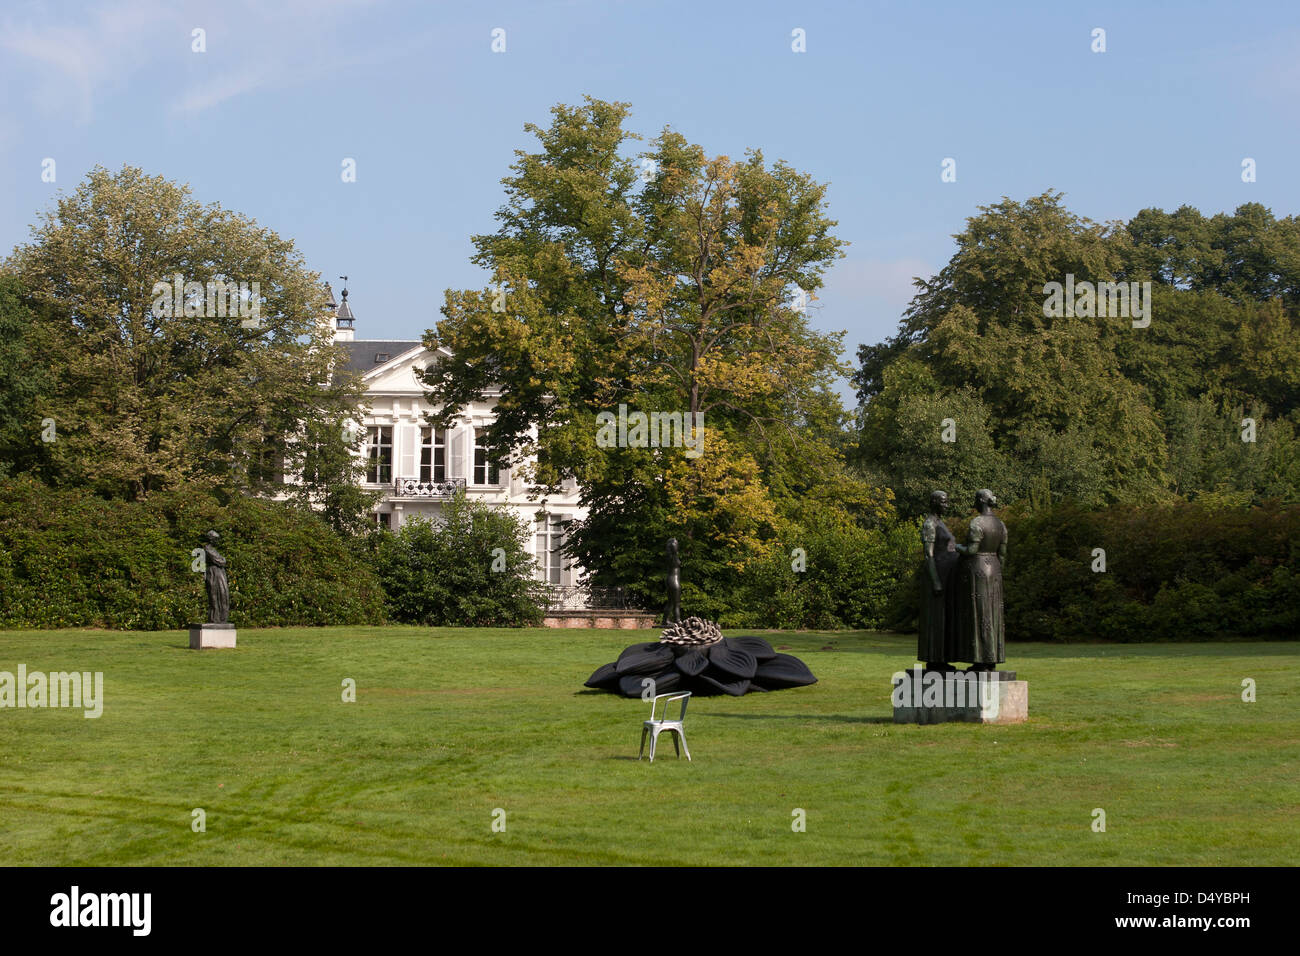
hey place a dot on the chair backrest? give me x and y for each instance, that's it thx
(668, 699)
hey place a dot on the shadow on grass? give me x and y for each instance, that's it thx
(837, 718)
(646, 760)
(894, 643)
(1166, 649)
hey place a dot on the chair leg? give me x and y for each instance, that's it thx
(682, 734)
(677, 747)
(654, 739)
(641, 752)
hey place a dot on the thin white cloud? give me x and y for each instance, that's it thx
(73, 61)
(77, 57)
(223, 87)
(293, 42)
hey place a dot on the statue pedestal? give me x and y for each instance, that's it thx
(935, 697)
(211, 635)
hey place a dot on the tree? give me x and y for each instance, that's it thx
(24, 381)
(1057, 407)
(684, 296)
(188, 344)
(1085, 406)
(920, 437)
(331, 472)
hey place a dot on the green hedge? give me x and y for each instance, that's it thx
(71, 559)
(821, 578)
(1183, 572)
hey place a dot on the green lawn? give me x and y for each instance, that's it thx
(451, 724)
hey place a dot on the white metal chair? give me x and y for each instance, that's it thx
(657, 725)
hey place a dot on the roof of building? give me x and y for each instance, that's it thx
(365, 354)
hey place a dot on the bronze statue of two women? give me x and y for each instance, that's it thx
(961, 589)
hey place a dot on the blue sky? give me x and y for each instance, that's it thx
(262, 120)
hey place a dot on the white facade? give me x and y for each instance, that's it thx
(416, 467)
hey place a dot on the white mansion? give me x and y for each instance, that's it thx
(417, 467)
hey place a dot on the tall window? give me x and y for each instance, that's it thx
(433, 454)
(485, 472)
(379, 454)
(550, 537)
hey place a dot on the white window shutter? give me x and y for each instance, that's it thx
(409, 438)
(456, 438)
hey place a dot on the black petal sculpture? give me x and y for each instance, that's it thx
(693, 655)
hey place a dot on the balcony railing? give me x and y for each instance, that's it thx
(414, 488)
(582, 598)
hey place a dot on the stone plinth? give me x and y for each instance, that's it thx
(936, 697)
(211, 635)
(619, 620)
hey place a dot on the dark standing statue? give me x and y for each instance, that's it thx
(673, 610)
(215, 579)
(934, 641)
(979, 634)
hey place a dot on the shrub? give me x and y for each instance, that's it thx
(850, 578)
(450, 573)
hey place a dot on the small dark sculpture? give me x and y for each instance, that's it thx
(673, 610)
(692, 632)
(934, 639)
(214, 577)
(979, 633)
(694, 656)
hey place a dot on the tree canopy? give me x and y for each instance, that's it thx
(672, 282)
(1094, 408)
(185, 343)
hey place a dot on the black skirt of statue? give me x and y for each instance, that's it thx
(937, 610)
(980, 633)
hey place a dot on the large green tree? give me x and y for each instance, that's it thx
(150, 389)
(1089, 407)
(667, 282)
(1057, 403)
